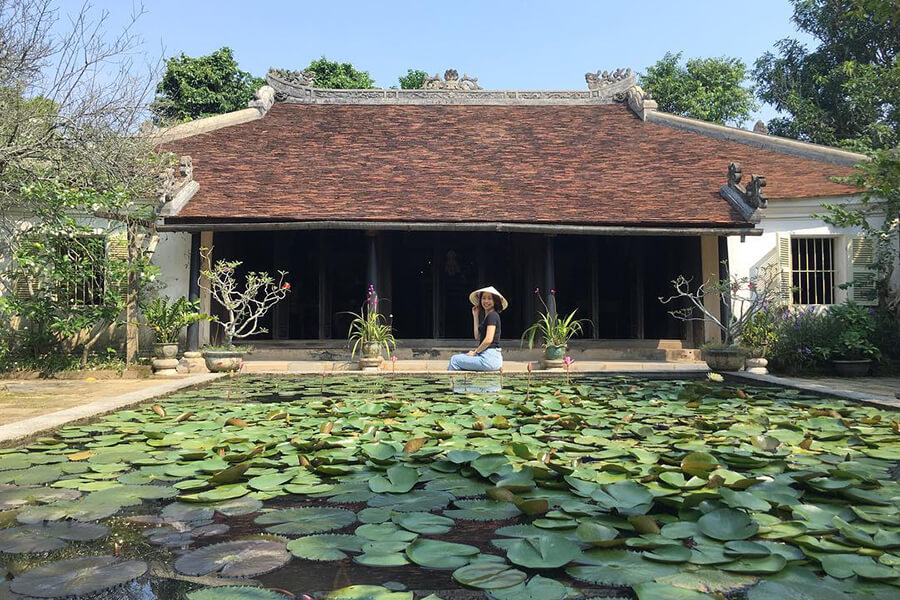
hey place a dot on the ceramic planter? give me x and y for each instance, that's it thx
(553, 357)
(165, 359)
(725, 359)
(852, 368)
(223, 361)
(370, 359)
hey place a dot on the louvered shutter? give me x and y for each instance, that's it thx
(117, 251)
(783, 256)
(25, 287)
(862, 257)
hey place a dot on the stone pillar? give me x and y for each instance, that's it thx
(709, 271)
(550, 274)
(193, 330)
(206, 241)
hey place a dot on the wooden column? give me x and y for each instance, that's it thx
(206, 241)
(372, 268)
(324, 328)
(709, 265)
(550, 274)
(193, 330)
(281, 312)
(595, 288)
(724, 275)
(637, 283)
(436, 286)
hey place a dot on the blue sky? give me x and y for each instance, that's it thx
(508, 45)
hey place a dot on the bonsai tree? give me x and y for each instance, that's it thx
(369, 327)
(245, 304)
(555, 330)
(744, 298)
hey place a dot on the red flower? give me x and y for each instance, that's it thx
(286, 286)
(752, 286)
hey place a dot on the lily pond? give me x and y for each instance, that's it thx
(374, 488)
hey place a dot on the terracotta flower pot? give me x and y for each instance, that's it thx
(223, 361)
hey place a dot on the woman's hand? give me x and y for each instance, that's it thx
(475, 312)
(471, 353)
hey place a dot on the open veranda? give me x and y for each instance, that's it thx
(393, 488)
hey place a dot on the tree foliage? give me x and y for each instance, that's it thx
(70, 168)
(413, 79)
(846, 91)
(877, 214)
(710, 89)
(340, 76)
(192, 88)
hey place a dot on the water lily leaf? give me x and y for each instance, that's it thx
(489, 575)
(709, 581)
(544, 552)
(624, 497)
(746, 500)
(756, 566)
(415, 501)
(269, 482)
(240, 558)
(48, 537)
(727, 524)
(699, 464)
(233, 592)
(399, 480)
(13, 496)
(669, 553)
(232, 474)
(680, 530)
(368, 592)
(746, 549)
(482, 510)
(662, 591)
(182, 511)
(385, 532)
(619, 568)
(424, 523)
(237, 507)
(435, 554)
(324, 546)
(537, 588)
(595, 534)
(222, 492)
(77, 576)
(305, 520)
(386, 559)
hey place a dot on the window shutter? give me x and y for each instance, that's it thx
(783, 256)
(25, 287)
(862, 257)
(117, 250)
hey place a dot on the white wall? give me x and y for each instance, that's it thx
(173, 257)
(795, 217)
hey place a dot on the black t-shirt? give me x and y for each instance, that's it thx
(492, 318)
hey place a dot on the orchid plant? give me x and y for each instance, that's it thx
(555, 330)
(369, 327)
(244, 304)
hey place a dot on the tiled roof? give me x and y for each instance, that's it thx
(586, 165)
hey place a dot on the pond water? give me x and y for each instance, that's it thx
(378, 488)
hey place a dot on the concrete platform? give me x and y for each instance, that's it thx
(435, 366)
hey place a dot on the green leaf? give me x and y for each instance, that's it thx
(400, 479)
(306, 520)
(544, 552)
(662, 591)
(537, 588)
(434, 554)
(424, 523)
(727, 524)
(488, 575)
(324, 546)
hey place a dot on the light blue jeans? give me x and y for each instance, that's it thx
(489, 360)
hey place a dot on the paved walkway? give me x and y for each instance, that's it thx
(880, 391)
(82, 400)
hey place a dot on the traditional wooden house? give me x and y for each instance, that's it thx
(430, 193)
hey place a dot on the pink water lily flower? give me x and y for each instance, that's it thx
(568, 360)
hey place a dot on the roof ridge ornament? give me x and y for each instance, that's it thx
(640, 101)
(747, 200)
(599, 80)
(298, 78)
(451, 81)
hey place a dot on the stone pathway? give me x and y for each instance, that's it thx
(880, 391)
(440, 366)
(28, 408)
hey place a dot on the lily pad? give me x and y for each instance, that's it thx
(489, 575)
(305, 520)
(324, 546)
(240, 558)
(232, 592)
(727, 524)
(435, 554)
(77, 576)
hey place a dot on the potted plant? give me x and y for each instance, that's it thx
(852, 351)
(244, 305)
(555, 331)
(744, 298)
(760, 332)
(166, 321)
(370, 334)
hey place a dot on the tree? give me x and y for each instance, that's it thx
(192, 88)
(413, 79)
(877, 214)
(710, 89)
(846, 91)
(340, 76)
(70, 103)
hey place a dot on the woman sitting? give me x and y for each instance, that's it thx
(487, 304)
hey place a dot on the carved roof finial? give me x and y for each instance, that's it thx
(599, 79)
(760, 127)
(745, 199)
(451, 81)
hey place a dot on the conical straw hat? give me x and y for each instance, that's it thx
(473, 297)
